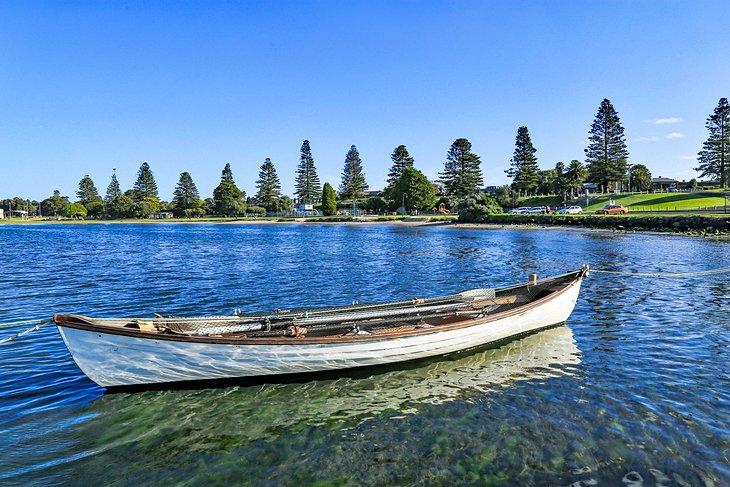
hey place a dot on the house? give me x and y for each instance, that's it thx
(661, 184)
(2, 213)
(302, 207)
(160, 215)
(17, 214)
(590, 188)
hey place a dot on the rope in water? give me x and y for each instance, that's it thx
(38, 324)
(676, 274)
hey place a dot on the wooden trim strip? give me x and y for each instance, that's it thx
(83, 323)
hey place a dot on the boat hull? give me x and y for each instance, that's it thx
(113, 360)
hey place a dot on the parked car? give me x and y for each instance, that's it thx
(536, 210)
(571, 210)
(519, 211)
(613, 210)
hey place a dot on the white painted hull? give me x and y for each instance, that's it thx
(120, 360)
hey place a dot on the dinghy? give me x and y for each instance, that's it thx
(122, 352)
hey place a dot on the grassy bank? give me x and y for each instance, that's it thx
(641, 201)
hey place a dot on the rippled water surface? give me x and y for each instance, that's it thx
(632, 390)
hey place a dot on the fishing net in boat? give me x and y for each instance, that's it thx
(357, 315)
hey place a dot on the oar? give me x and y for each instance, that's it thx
(468, 295)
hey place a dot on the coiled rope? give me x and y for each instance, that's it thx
(720, 270)
(37, 325)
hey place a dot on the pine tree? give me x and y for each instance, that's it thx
(462, 175)
(401, 160)
(145, 186)
(414, 191)
(269, 186)
(87, 191)
(227, 174)
(307, 185)
(559, 186)
(186, 196)
(524, 168)
(714, 158)
(329, 200)
(353, 180)
(113, 190)
(606, 155)
(228, 200)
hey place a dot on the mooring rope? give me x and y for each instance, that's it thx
(37, 325)
(665, 274)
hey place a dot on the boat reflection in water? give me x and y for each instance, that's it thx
(256, 412)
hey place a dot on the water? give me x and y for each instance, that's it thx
(632, 391)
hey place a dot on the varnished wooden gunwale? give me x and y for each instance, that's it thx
(85, 323)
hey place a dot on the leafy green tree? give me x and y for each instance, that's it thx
(640, 178)
(462, 175)
(414, 191)
(269, 187)
(401, 160)
(54, 204)
(95, 209)
(113, 190)
(144, 208)
(476, 206)
(524, 169)
(120, 207)
(606, 154)
(505, 196)
(376, 204)
(329, 200)
(186, 196)
(283, 204)
(353, 180)
(74, 210)
(228, 200)
(714, 158)
(546, 181)
(574, 177)
(87, 191)
(307, 186)
(145, 186)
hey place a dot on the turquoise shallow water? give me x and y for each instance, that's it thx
(633, 390)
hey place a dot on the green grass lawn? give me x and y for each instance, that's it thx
(661, 201)
(553, 201)
(639, 201)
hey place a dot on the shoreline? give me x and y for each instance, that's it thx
(612, 224)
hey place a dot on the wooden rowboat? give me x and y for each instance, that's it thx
(116, 352)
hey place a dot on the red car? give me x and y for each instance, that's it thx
(613, 210)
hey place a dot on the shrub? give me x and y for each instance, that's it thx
(475, 207)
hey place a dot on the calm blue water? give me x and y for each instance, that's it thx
(632, 391)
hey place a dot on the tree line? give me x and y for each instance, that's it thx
(605, 164)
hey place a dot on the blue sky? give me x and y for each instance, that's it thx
(189, 86)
